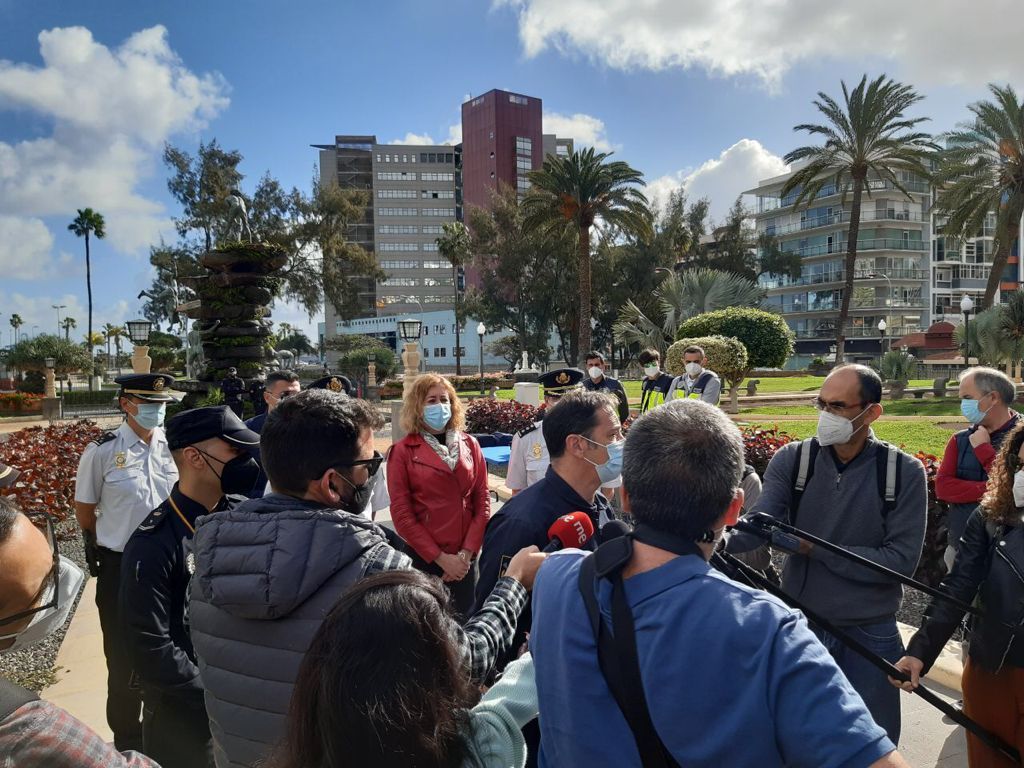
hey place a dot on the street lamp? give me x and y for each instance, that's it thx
(409, 331)
(967, 306)
(881, 342)
(58, 307)
(138, 332)
(481, 329)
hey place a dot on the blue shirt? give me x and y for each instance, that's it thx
(732, 676)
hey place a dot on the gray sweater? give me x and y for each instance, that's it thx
(846, 509)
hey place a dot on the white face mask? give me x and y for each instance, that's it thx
(651, 371)
(693, 369)
(595, 373)
(836, 430)
(44, 623)
(1018, 488)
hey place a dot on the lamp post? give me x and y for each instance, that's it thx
(51, 403)
(371, 370)
(58, 307)
(967, 306)
(51, 386)
(481, 329)
(138, 332)
(409, 331)
(881, 342)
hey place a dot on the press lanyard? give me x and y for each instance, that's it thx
(191, 528)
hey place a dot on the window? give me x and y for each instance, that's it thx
(436, 265)
(401, 281)
(398, 229)
(431, 157)
(434, 281)
(477, 101)
(432, 229)
(562, 150)
(430, 247)
(437, 176)
(399, 265)
(395, 176)
(438, 212)
(524, 164)
(524, 146)
(460, 352)
(423, 157)
(522, 100)
(396, 194)
(378, 157)
(440, 352)
(398, 246)
(397, 212)
(438, 194)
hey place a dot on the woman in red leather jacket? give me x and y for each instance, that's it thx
(437, 479)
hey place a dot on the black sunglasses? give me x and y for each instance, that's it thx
(372, 465)
(39, 520)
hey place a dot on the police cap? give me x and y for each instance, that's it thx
(8, 475)
(147, 386)
(194, 426)
(335, 383)
(561, 380)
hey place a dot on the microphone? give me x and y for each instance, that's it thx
(613, 529)
(572, 530)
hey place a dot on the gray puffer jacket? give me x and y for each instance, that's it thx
(266, 574)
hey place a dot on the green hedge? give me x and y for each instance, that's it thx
(82, 396)
(768, 339)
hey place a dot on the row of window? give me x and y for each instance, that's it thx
(438, 212)
(424, 157)
(449, 212)
(437, 176)
(396, 158)
(421, 299)
(398, 246)
(409, 282)
(437, 194)
(403, 194)
(415, 265)
(396, 176)
(524, 146)
(518, 99)
(443, 352)
(409, 229)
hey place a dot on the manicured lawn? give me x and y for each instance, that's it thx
(806, 384)
(912, 436)
(948, 406)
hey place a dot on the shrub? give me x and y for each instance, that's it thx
(20, 402)
(31, 354)
(33, 382)
(931, 567)
(487, 416)
(760, 445)
(48, 460)
(726, 357)
(471, 382)
(898, 365)
(768, 339)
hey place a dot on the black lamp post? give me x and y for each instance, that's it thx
(881, 342)
(138, 332)
(481, 329)
(967, 306)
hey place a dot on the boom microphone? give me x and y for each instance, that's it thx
(572, 530)
(613, 529)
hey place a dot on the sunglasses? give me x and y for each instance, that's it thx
(372, 465)
(40, 520)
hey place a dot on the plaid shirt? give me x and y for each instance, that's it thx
(41, 734)
(489, 632)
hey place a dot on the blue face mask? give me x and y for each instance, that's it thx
(611, 470)
(437, 415)
(971, 411)
(150, 415)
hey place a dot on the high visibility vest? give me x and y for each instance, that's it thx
(698, 388)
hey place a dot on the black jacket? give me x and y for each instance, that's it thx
(989, 565)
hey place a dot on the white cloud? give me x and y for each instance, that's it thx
(111, 110)
(928, 40)
(25, 248)
(454, 134)
(414, 139)
(586, 130)
(721, 179)
(40, 317)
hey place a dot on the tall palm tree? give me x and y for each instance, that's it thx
(453, 245)
(982, 170)
(869, 134)
(117, 332)
(16, 323)
(67, 324)
(579, 190)
(88, 221)
(682, 296)
(107, 338)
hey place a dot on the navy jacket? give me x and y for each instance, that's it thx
(256, 425)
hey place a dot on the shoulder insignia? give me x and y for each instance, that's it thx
(152, 521)
(106, 437)
(190, 563)
(528, 430)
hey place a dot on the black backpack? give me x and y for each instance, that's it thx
(13, 697)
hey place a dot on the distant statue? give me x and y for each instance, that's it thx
(238, 212)
(525, 364)
(169, 299)
(194, 358)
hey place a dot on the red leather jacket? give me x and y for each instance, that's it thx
(434, 509)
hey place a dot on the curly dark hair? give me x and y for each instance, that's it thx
(997, 502)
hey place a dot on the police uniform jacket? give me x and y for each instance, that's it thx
(528, 458)
(525, 520)
(125, 478)
(611, 387)
(156, 569)
(232, 387)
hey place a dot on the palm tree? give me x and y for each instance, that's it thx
(989, 342)
(578, 190)
(88, 221)
(1012, 316)
(982, 170)
(868, 134)
(115, 332)
(67, 324)
(107, 337)
(682, 296)
(453, 245)
(16, 323)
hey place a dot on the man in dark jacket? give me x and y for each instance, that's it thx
(268, 571)
(279, 386)
(211, 448)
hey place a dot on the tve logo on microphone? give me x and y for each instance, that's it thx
(577, 526)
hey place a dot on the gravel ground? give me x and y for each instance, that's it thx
(34, 667)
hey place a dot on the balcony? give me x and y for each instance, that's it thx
(767, 203)
(843, 217)
(859, 332)
(875, 303)
(839, 277)
(877, 244)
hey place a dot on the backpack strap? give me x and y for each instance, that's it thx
(13, 697)
(617, 653)
(803, 471)
(888, 471)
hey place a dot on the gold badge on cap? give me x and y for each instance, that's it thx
(562, 378)
(334, 385)
(120, 459)
(537, 451)
(158, 384)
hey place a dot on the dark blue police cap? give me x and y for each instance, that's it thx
(194, 426)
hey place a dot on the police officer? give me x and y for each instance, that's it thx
(529, 458)
(278, 386)
(697, 383)
(122, 476)
(257, 387)
(212, 450)
(233, 388)
(596, 381)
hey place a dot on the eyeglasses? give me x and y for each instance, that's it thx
(834, 406)
(372, 465)
(51, 577)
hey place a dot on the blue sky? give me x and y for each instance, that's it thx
(703, 95)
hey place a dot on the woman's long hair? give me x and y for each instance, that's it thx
(997, 502)
(411, 418)
(384, 682)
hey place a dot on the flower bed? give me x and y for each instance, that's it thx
(489, 416)
(20, 403)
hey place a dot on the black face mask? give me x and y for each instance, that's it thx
(238, 476)
(360, 495)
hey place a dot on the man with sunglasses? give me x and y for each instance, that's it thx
(212, 450)
(846, 467)
(268, 571)
(38, 588)
(279, 386)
